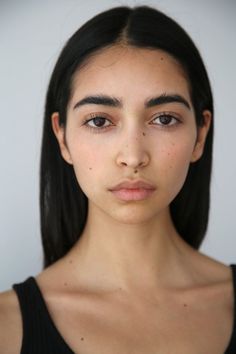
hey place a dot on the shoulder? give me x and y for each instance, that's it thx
(214, 270)
(214, 275)
(10, 323)
(217, 283)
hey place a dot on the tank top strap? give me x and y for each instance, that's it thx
(231, 349)
(39, 332)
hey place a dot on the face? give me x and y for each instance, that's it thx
(131, 139)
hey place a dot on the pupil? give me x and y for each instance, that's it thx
(99, 120)
(165, 119)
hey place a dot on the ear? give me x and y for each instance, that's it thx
(201, 137)
(59, 132)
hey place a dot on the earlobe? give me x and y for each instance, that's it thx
(59, 132)
(202, 135)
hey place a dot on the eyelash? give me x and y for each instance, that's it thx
(99, 129)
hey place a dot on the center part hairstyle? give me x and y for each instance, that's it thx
(63, 205)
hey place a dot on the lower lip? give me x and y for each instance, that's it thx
(133, 194)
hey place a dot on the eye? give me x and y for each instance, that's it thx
(166, 120)
(98, 123)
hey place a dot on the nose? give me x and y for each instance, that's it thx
(133, 153)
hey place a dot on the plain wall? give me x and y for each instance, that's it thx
(32, 34)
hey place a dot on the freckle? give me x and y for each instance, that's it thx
(144, 134)
(185, 305)
(65, 284)
(70, 261)
(82, 338)
(90, 168)
(162, 58)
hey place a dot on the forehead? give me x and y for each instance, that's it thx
(131, 69)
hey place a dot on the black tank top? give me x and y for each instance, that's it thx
(40, 335)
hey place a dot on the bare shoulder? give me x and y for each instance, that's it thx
(214, 270)
(217, 280)
(10, 323)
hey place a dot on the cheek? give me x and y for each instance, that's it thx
(178, 155)
(175, 161)
(87, 162)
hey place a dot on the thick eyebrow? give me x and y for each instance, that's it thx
(116, 102)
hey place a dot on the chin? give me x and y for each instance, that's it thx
(134, 216)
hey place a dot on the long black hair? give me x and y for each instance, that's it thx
(63, 205)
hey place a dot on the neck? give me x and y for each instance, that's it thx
(111, 255)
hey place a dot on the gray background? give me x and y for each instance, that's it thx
(32, 34)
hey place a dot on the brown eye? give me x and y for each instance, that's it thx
(166, 120)
(98, 121)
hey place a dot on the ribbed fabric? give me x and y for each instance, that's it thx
(40, 335)
(231, 349)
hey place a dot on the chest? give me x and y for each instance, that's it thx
(176, 327)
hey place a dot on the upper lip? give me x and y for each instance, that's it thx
(128, 184)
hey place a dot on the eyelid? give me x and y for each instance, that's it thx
(91, 116)
(155, 115)
(170, 113)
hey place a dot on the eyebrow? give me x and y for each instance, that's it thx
(116, 102)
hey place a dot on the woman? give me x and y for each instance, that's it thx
(125, 177)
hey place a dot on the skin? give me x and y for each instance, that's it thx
(126, 241)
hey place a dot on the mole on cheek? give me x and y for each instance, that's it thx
(162, 58)
(144, 134)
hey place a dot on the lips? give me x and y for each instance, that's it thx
(138, 184)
